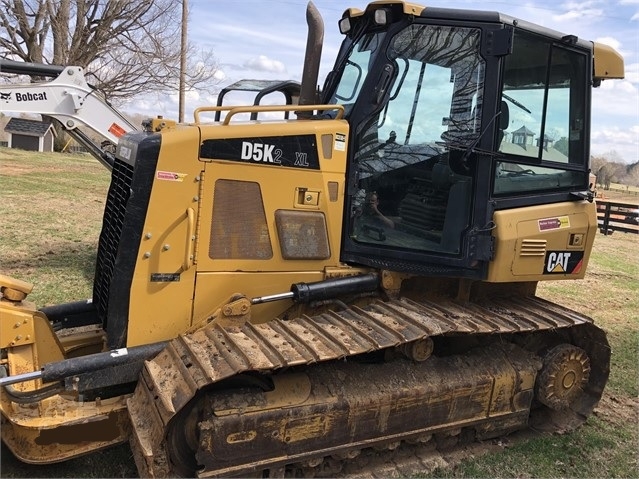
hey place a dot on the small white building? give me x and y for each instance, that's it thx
(30, 135)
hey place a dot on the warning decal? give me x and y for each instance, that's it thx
(554, 223)
(170, 176)
(116, 130)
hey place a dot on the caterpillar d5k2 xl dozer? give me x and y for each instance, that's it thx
(277, 297)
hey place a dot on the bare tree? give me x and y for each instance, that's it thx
(609, 171)
(632, 177)
(127, 47)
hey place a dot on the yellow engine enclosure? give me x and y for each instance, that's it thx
(547, 242)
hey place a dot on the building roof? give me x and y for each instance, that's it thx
(525, 130)
(550, 154)
(22, 126)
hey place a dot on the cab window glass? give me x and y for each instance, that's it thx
(543, 98)
(409, 194)
(355, 71)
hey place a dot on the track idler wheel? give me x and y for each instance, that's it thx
(183, 440)
(563, 377)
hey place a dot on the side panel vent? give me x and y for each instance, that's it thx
(533, 247)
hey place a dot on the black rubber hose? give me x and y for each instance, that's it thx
(30, 397)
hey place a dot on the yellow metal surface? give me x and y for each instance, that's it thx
(163, 281)
(276, 196)
(47, 344)
(15, 284)
(220, 278)
(536, 243)
(59, 427)
(16, 323)
(213, 288)
(608, 63)
(177, 233)
(62, 428)
(159, 124)
(288, 390)
(28, 338)
(80, 341)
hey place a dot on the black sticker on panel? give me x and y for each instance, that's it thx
(292, 151)
(563, 262)
(165, 277)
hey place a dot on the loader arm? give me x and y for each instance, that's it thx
(69, 99)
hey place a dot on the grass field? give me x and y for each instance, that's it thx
(50, 213)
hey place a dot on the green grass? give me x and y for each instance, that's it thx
(50, 221)
(610, 294)
(50, 215)
(607, 445)
(598, 449)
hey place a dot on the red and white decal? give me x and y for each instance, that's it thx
(170, 176)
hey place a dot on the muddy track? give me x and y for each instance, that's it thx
(174, 393)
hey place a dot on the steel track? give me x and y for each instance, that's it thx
(193, 362)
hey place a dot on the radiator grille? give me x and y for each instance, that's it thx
(112, 223)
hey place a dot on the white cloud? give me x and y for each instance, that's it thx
(631, 2)
(261, 35)
(587, 15)
(583, 11)
(624, 141)
(219, 75)
(616, 100)
(264, 64)
(632, 73)
(610, 41)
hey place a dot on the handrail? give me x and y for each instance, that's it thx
(235, 110)
(190, 227)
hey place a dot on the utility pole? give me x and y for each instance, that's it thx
(183, 61)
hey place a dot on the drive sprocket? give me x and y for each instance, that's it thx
(564, 376)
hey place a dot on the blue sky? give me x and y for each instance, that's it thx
(266, 39)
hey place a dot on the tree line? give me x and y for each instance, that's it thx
(610, 169)
(126, 48)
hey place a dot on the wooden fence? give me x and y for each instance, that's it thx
(617, 216)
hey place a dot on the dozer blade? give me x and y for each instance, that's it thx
(250, 400)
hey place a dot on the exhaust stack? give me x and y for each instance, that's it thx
(310, 74)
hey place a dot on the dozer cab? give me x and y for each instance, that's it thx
(277, 297)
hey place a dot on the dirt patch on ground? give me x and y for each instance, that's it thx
(618, 409)
(15, 170)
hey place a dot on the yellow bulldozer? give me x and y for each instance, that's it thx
(276, 296)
